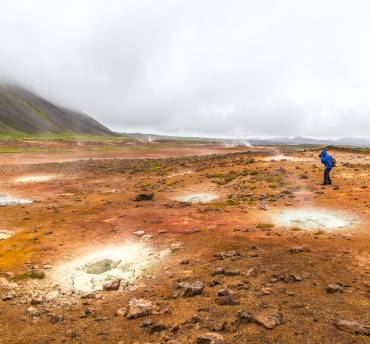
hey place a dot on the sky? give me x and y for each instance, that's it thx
(207, 67)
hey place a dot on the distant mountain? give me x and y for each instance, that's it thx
(26, 112)
(310, 141)
(255, 140)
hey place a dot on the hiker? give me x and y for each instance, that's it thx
(329, 163)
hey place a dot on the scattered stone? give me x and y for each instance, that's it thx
(151, 326)
(187, 289)
(210, 338)
(138, 233)
(32, 312)
(218, 325)
(291, 278)
(214, 282)
(299, 249)
(353, 327)
(224, 271)
(266, 291)
(269, 321)
(243, 317)
(139, 308)
(112, 285)
(176, 246)
(144, 197)
(36, 301)
(54, 319)
(228, 300)
(334, 288)
(7, 297)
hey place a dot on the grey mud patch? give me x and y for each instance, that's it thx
(6, 199)
(5, 234)
(313, 218)
(198, 197)
(89, 273)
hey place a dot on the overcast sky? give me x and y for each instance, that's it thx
(197, 67)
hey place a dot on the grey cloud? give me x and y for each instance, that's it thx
(217, 68)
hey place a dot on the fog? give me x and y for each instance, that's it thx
(213, 68)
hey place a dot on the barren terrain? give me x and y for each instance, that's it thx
(230, 274)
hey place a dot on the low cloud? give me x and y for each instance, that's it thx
(215, 68)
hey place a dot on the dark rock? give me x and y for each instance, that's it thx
(210, 338)
(269, 321)
(353, 327)
(139, 308)
(152, 327)
(112, 285)
(144, 197)
(334, 288)
(187, 289)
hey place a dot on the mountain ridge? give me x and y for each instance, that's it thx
(24, 111)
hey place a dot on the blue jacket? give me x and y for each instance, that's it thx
(326, 159)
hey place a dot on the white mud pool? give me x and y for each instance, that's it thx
(35, 178)
(5, 234)
(91, 272)
(6, 199)
(282, 157)
(197, 197)
(313, 218)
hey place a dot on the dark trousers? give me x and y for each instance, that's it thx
(327, 179)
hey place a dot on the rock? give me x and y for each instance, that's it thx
(353, 327)
(112, 285)
(299, 249)
(266, 291)
(36, 301)
(52, 295)
(218, 271)
(334, 288)
(291, 278)
(7, 297)
(224, 292)
(139, 308)
(215, 282)
(269, 321)
(138, 233)
(144, 197)
(187, 289)
(218, 325)
(152, 327)
(224, 271)
(54, 319)
(32, 312)
(195, 319)
(243, 317)
(176, 246)
(227, 300)
(210, 338)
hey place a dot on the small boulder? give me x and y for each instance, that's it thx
(187, 289)
(210, 338)
(139, 308)
(334, 288)
(269, 321)
(353, 327)
(112, 285)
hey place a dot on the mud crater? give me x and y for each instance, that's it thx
(89, 273)
(313, 218)
(198, 197)
(6, 199)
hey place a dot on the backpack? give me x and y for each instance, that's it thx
(333, 162)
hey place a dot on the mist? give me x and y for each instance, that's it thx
(212, 68)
